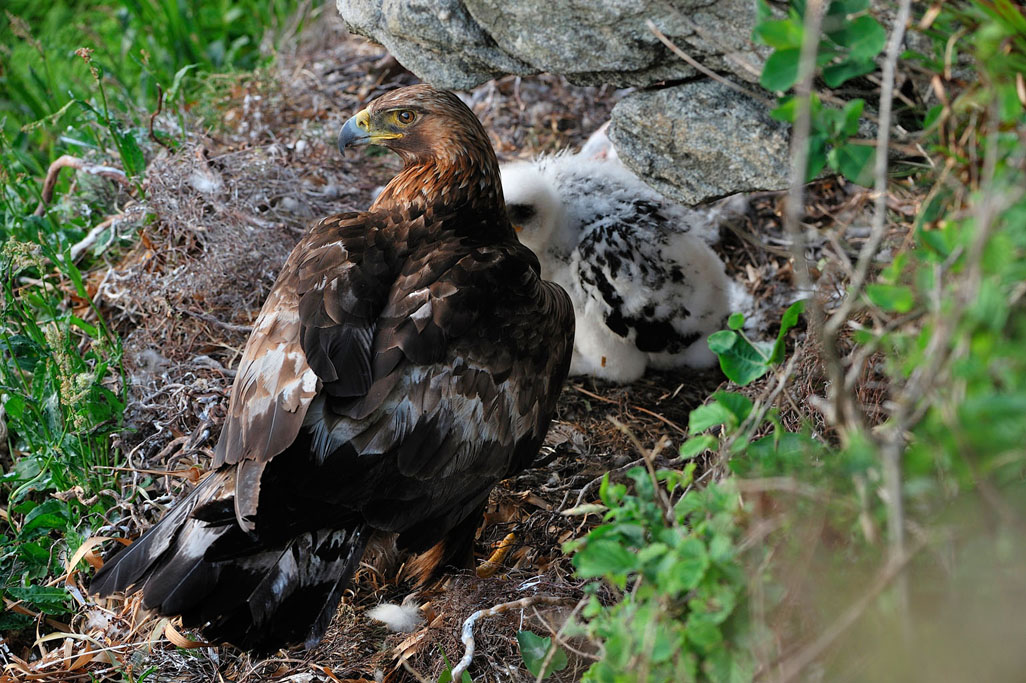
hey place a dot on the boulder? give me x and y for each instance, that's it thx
(435, 39)
(701, 141)
(454, 44)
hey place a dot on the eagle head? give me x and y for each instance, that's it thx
(445, 149)
(419, 123)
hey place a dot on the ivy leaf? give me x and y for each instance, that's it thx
(781, 70)
(534, 649)
(855, 162)
(787, 321)
(836, 74)
(741, 362)
(781, 34)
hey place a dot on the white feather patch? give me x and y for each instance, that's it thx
(398, 618)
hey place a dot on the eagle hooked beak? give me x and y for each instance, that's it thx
(358, 131)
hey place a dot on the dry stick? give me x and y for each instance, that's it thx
(879, 224)
(891, 453)
(766, 102)
(649, 458)
(468, 626)
(79, 247)
(844, 409)
(68, 161)
(793, 666)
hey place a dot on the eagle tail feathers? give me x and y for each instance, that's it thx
(257, 595)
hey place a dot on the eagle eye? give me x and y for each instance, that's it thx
(405, 117)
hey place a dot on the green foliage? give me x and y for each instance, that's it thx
(80, 78)
(697, 587)
(136, 49)
(535, 649)
(744, 361)
(678, 576)
(63, 396)
(851, 40)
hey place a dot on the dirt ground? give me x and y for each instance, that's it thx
(221, 215)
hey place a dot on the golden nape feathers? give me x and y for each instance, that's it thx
(407, 359)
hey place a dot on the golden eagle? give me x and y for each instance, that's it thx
(407, 359)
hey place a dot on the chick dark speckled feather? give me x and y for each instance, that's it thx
(646, 287)
(407, 359)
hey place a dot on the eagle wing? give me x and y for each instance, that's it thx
(409, 361)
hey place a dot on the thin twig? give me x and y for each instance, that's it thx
(879, 223)
(79, 247)
(765, 101)
(467, 635)
(68, 161)
(649, 456)
(154, 115)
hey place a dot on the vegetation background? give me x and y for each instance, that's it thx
(850, 505)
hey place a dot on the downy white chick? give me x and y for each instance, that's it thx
(646, 287)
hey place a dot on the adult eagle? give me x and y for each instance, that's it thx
(407, 359)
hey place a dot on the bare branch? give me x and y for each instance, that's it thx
(68, 161)
(468, 626)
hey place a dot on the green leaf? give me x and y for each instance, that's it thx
(781, 34)
(898, 298)
(856, 162)
(836, 74)
(692, 564)
(703, 632)
(603, 558)
(786, 110)
(696, 445)
(817, 156)
(15, 406)
(736, 321)
(781, 70)
(534, 649)
(176, 84)
(708, 415)
(51, 514)
(846, 7)
(741, 362)
(739, 405)
(787, 321)
(863, 36)
(131, 156)
(852, 114)
(47, 599)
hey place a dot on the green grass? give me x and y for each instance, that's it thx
(82, 78)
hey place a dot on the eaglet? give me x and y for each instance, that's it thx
(646, 287)
(407, 359)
